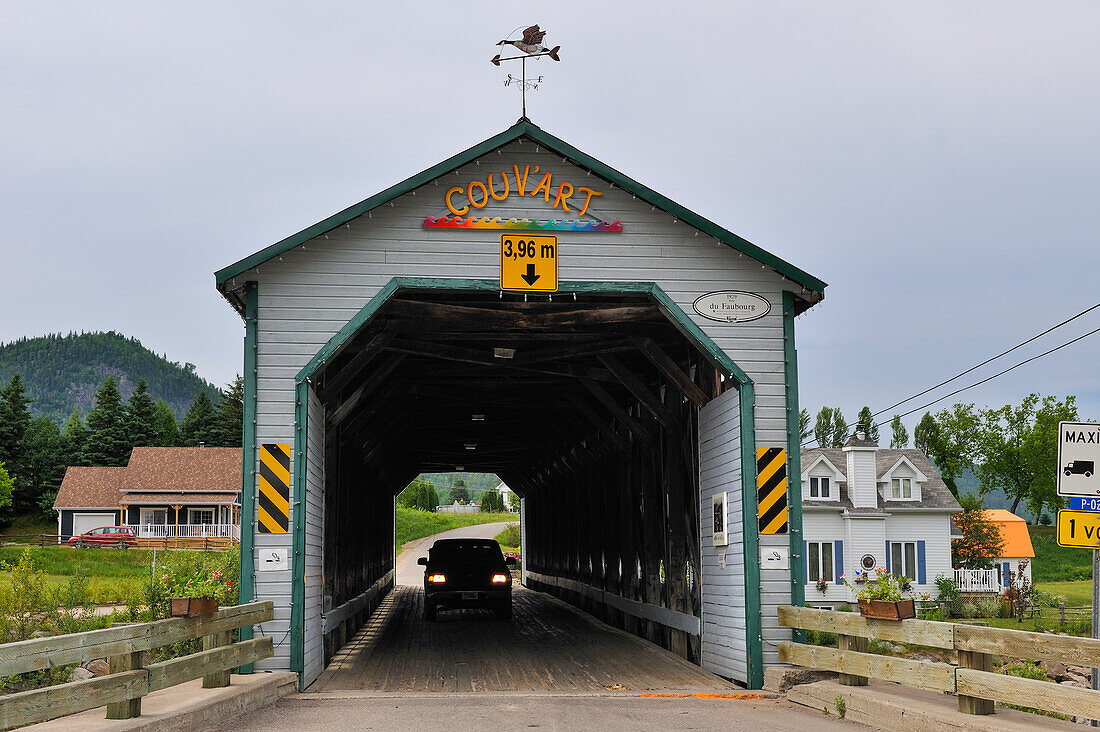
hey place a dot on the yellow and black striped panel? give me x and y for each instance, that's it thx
(771, 489)
(273, 499)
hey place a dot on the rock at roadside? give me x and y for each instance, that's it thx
(1054, 669)
(98, 667)
(1080, 671)
(780, 679)
(81, 674)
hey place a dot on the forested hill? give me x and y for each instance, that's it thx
(62, 372)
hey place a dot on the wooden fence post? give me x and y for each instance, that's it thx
(1062, 612)
(852, 643)
(217, 679)
(978, 662)
(131, 707)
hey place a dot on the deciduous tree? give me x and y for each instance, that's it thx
(804, 429)
(899, 439)
(168, 431)
(981, 541)
(866, 423)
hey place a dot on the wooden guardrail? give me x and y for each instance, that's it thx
(129, 678)
(973, 679)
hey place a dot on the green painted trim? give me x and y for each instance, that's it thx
(666, 304)
(536, 134)
(794, 459)
(751, 539)
(298, 565)
(248, 458)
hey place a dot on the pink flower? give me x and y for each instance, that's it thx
(164, 576)
(190, 581)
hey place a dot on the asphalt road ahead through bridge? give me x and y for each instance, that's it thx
(551, 666)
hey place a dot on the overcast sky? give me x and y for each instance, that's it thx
(938, 164)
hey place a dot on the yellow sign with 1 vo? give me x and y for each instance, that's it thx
(1079, 528)
(529, 262)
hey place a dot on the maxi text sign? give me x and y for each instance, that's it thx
(1078, 457)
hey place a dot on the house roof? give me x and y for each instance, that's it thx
(1013, 531)
(934, 492)
(524, 128)
(89, 488)
(184, 469)
(160, 474)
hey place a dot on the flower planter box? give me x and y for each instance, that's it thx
(189, 607)
(885, 610)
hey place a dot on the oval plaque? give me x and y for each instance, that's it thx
(732, 306)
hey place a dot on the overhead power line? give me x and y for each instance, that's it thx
(983, 363)
(988, 360)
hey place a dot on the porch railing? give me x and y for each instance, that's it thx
(978, 580)
(186, 531)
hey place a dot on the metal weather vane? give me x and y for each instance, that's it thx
(531, 46)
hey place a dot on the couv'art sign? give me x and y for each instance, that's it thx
(464, 201)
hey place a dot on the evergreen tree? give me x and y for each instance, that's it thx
(899, 440)
(199, 423)
(229, 424)
(141, 417)
(107, 442)
(492, 502)
(460, 493)
(74, 440)
(168, 430)
(866, 423)
(44, 466)
(804, 431)
(15, 417)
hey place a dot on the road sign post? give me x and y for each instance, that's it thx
(1078, 457)
(529, 262)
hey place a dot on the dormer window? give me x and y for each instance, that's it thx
(901, 488)
(819, 488)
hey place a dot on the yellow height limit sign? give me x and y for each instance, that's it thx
(1079, 529)
(529, 262)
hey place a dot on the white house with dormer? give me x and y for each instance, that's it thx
(865, 507)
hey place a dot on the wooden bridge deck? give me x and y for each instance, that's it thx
(547, 646)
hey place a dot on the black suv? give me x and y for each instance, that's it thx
(466, 573)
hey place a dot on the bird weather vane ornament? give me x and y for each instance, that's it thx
(531, 46)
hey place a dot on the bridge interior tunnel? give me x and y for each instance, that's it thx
(585, 405)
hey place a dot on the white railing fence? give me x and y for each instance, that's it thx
(186, 531)
(978, 580)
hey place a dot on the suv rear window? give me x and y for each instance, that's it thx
(466, 551)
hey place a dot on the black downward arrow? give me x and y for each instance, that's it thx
(530, 278)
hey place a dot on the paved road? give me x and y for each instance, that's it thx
(410, 573)
(532, 711)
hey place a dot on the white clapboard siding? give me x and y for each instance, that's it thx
(724, 649)
(308, 293)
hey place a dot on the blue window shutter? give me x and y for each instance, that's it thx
(886, 563)
(838, 561)
(921, 577)
(806, 562)
(1005, 574)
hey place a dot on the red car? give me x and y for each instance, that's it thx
(120, 536)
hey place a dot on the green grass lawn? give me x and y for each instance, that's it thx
(1055, 563)
(113, 575)
(411, 524)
